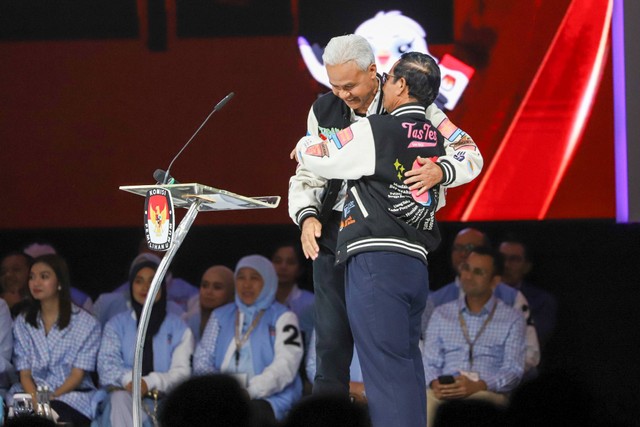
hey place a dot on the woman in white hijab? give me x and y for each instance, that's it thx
(255, 339)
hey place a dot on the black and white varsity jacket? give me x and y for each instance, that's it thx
(380, 212)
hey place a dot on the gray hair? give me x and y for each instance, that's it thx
(351, 47)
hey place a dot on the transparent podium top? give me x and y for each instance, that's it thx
(212, 199)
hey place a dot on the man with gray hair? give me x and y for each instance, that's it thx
(386, 233)
(316, 203)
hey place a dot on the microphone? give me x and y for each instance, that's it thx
(162, 176)
(166, 177)
(223, 102)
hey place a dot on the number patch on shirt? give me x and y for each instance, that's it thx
(293, 338)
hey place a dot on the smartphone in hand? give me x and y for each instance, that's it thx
(446, 379)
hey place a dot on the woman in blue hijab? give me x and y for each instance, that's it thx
(255, 339)
(166, 355)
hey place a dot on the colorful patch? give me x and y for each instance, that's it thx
(325, 132)
(421, 136)
(449, 130)
(318, 150)
(346, 209)
(425, 198)
(347, 222)
(400, 168)
(459, 156)
(464, 143)
(342, 137)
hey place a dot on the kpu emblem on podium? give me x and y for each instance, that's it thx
(158, 219)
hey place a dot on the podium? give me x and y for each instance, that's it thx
(195, 198)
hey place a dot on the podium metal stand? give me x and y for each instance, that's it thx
(195, 198)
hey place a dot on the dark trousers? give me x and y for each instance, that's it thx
(69, 415)
(334, 342)
(386, 295)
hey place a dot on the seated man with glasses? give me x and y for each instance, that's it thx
(474, 346)
(466, 241)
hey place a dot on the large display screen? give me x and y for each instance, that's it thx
(83, 113)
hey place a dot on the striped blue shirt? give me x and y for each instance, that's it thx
(498, 353)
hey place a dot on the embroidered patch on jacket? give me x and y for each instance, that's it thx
(342, 137)
(459, 156)
(449, 130)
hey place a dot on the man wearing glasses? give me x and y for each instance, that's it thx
(475, 345)
(315, 203)
(466, 241)
(386, 231)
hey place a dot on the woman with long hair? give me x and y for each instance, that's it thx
(56, 343)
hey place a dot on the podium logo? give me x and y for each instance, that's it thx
(158, 219)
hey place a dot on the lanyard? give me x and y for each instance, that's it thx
(241, 340)
(465, 331)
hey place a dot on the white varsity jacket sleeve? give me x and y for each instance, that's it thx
(462, 162)
(305, 187)
(349, 154)
(286, 359)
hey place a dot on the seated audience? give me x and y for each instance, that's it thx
(7, 372)
(14, 278)
(257, 340)
(288, 260)
(109, 304)
(543, 305)
(204, 401)
(56, 343)
(167, 351)
(464, 242)
(216, 290)
(477, 341)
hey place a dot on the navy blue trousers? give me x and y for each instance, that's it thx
(386, 293)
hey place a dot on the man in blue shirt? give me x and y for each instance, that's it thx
(477, 339)
(464, 242)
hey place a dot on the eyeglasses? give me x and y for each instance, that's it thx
(463, 248)
(385, 77)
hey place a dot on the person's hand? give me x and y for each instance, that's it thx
(311, 230)
(462, 387)
(293, 155)
(143, 387)
(424, 177)
(356, 392)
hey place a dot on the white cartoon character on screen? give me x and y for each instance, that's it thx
(391, 34)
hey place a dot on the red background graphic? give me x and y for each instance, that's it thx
(160, 202)
(82, 117)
